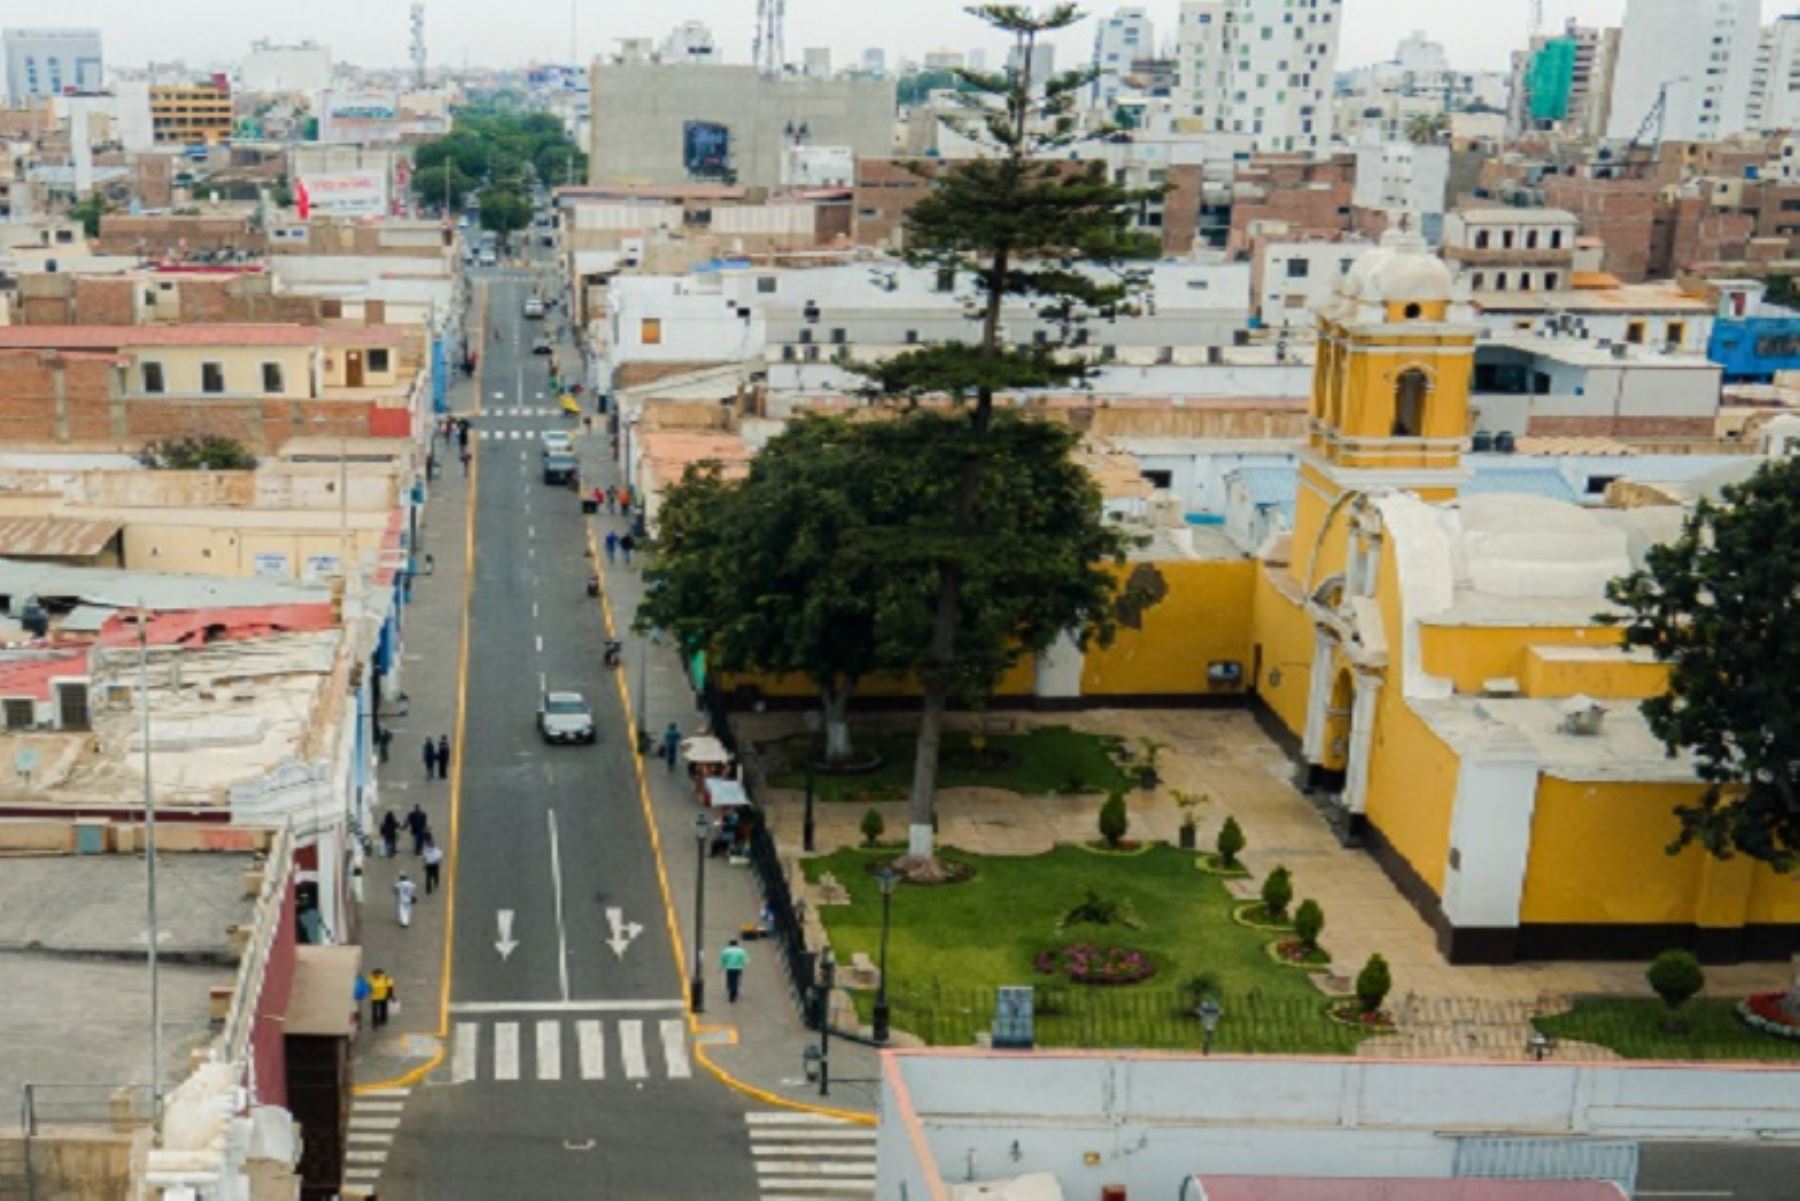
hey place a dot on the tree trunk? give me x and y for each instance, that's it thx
(920, 841)
(835, 699)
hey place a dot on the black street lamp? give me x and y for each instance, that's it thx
(806, 840)
(889, 878)
(827, 977)
(1209, 1011)
(697, 986)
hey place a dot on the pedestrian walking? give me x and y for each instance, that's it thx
(443, 756)
(381, 995)
(627, 544)
(625, 499)
(434, 862)
(612, 500)
(430, 758)
(383, 741)
(390, 834)
(405, 893)
(612, 545)
(733, 959)
(418, 825)
(462, 432)
(671, 744)
(465, 462)
(359, 992)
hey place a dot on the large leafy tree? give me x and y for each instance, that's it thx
(777, 572)
(1024, 226)
(1721, 606)
(504, 210)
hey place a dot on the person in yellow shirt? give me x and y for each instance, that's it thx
(381, 992)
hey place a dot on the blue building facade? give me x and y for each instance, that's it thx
(1753, 349)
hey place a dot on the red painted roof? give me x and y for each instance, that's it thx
(111, 337)
(197, 627)
(31, 677)
(1302, 1188)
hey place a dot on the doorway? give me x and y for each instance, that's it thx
(353, 369)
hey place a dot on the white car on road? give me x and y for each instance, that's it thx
(565, 717)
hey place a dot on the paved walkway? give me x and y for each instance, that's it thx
(1224, 755)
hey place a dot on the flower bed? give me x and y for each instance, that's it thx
(1291, 952)
(1763, 1011)
(1210, 864)
(1087, 963)
(1127, 846)
(1253, 915)
(1348, 1011)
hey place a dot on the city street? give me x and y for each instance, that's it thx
(567, 1069)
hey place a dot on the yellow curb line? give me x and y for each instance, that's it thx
(858, 1117)
(413, 1076)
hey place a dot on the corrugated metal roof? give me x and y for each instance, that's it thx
(55, 537)
(158, 590)
(1532, 481)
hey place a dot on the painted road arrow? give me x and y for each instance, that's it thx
(507, 944)
(624, 933)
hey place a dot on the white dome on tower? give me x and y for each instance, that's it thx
(1402, 268)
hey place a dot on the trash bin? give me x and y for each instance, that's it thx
(589, 505)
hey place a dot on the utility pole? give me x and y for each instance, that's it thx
(156, 1052)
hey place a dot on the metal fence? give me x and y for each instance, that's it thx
(54, 1107)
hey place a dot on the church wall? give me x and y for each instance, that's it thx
(1205, 618)
(1283, 634)
(1472, 655)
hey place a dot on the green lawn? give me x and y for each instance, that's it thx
(1044, 760)
(1633, 1028)
(952, 946)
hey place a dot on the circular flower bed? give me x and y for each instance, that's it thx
(1087, 963)
(1212, 865)
(1350, 1012)
(1253, 915)
(1763, 1011)
(1291, 952)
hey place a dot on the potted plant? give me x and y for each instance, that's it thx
(1190, 828)
(1114, 821)
(1146, 768)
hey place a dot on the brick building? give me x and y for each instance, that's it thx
(177, 236)
(1619, 212)
(1313, 197)
(187, 296)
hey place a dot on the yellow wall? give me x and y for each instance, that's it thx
(338, 357)
(1206, 616)
(1472, 655)
(1021, 681)
(1621, 677)
(1284, 636)
(1412, 786)
(243, 368)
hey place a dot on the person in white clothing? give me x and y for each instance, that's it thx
(405, 892)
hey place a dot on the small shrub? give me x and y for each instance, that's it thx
(1373, 984)
(1231, 842)
(873, 826)
(1277, 892)
(1096, 910)
(1114, 820)
(1200, 986)
(1676, 976)
(1309, 923)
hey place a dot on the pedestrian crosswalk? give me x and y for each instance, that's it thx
(374, 1116)
(521, 411)
(514, 435)
(811, 1156)
(552, 1049)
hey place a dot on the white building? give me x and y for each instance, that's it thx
(943, 60)
(1043, 62)
(1404, 177)
(1262, 69)
(689, 42)
(1118, 40)
(1499, 249)
(1702, 52)
(305, 68)
(1293, 280)
(1775, 80)
(816, 62)
(1583, 109)
(874, 61)
(49, 62)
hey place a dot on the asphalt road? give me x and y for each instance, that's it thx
(568, 1072)
(1718, 1171)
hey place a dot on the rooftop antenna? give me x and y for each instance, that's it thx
(1537, 16)
(418, 44)
(768, 52)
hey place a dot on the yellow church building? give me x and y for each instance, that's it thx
(1474, 725)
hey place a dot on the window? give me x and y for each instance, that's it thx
(650, 331)
(946, 279)
(1551, 279)
(1481, 239)
(765, 284)
(838, 337)
(1634, 333)
(912, 337)
(272, 381)
(1675, 333)
(1531, 239)
(1506, 239)
(1556, 239)
(1159, 479)
(1298, 268)
(1499, 281)
(378, 359)
(1479, 283)
(212, 377)
(1409, 403)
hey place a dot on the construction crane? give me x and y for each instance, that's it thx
(1650, 130)
(768, 53)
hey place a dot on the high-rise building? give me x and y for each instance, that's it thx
(50, 62)
(1260, 69)
(1043, 62)
(1775, 79)
(1119, 41)
(1564, 83)
(816, 62)
(689, 42)
(1684, 69)
(874, 61)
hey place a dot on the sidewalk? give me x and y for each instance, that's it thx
(430, 665)
(759, 1041)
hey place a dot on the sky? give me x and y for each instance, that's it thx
(1479, 34)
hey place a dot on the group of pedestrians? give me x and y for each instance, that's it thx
(424, 848)
(437, 757)
(620, 544)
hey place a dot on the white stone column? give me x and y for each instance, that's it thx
(1362, 727)
(1318, 698)
(1490, 832)
(1058, 670)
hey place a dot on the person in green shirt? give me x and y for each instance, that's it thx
(732, 959)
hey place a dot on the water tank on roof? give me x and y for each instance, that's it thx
(34, 619)
(1483, 442)
(1504, 443)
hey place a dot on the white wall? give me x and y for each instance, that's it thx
(1666, 40)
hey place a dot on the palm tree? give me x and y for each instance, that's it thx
(1423, 129)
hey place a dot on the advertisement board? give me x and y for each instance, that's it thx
(341, 194)
(359, 117)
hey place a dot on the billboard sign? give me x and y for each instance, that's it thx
(706, 149)
(343, 194)
(360, 117)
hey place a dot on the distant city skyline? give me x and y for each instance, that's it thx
(212, 32)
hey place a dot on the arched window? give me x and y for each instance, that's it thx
(1481, 239)
(1409, 403)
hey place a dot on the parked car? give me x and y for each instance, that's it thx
(534, 309)
(558, 442)
(565, 717)
(541, 346)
